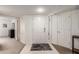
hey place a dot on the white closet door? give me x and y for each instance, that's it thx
(40, 29)
(64, 30)
(54, 20)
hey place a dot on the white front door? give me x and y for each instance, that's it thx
(40, 29)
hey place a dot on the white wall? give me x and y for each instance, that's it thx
(4, 32)
(26, 29)
(75, 26)
(22, 31)
(64, 25)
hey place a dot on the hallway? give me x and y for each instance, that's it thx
(34, 28)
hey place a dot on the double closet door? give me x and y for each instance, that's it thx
(61, 29)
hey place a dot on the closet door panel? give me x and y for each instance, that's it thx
(54, 29)
(64, 30)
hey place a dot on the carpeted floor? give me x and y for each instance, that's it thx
(10, 46)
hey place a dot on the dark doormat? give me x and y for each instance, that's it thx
(40, 47)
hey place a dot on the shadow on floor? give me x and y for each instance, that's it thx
(62, 50)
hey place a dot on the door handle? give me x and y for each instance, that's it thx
(44, 29)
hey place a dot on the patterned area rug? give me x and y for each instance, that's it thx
(40, 47)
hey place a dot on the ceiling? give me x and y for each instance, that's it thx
(20, 10)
